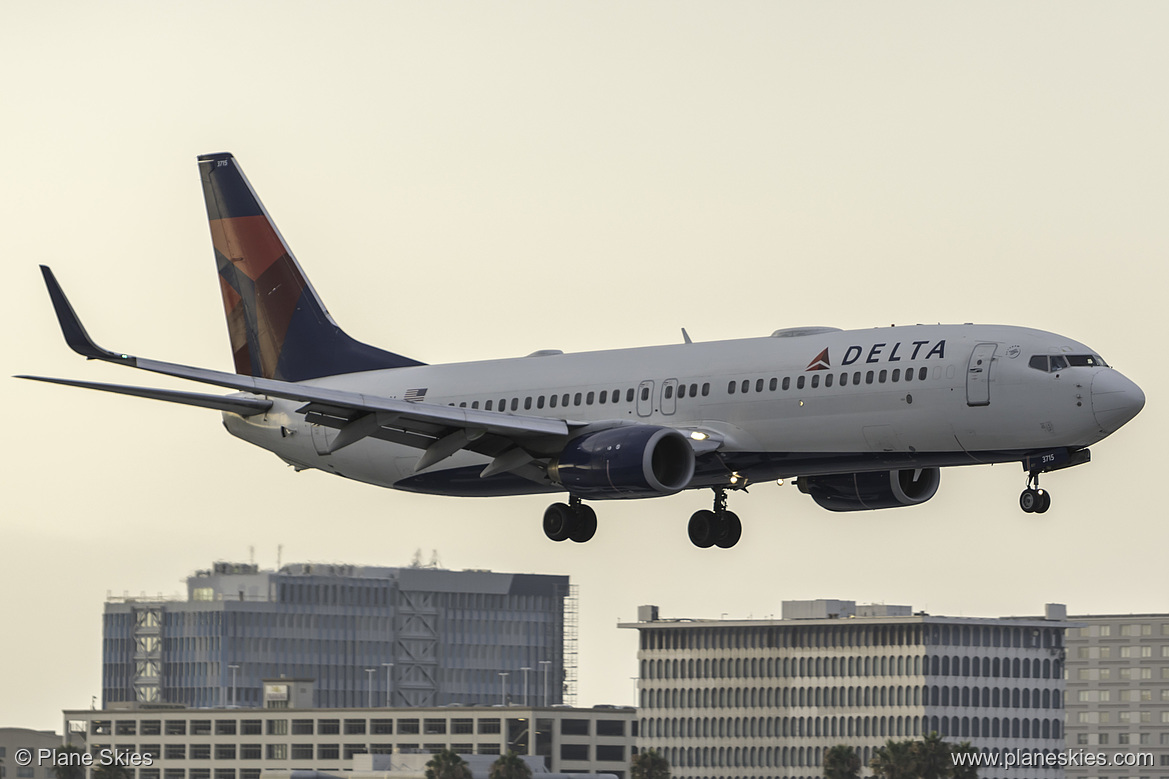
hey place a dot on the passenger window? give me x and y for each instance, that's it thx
(896, 375)
(552, 400)
(787, 383)
(616, 395)
(463, 404)
(528, 403)
(759, 385)
(844, 379)
(706, 389)
(771, 385)
(883, 375)
(746, 385)
(589, 399)
(921, 374)
(603, 397)
(800, 383)
(909, 374)
(828, 380)
(503, 404)
(869, 377)
(629, 395)
(487, 406)
(576, 399)
(515, 404)
(693, 390)
(815, 380)
(645, 393)
(540, 402)
(668, 391)
(856, 377)
(564, 400)
(731, 388)
(474, 404)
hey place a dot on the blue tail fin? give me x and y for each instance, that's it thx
(278, 326)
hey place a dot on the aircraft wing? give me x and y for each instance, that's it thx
(512, 440)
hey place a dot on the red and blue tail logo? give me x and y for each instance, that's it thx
(279, 328)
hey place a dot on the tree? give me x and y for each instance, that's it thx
(842, 762)
(510, 766)
(895, 760)
(67, 764)
(967, 770)
(932, 757)
(649, 765)
(447, 765)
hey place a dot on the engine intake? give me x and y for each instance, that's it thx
(877, 490)
(635, 461)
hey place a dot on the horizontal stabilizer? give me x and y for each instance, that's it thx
(245, 407)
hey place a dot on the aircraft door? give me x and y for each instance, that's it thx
(978, 375)
(669, 396)
(645, 398)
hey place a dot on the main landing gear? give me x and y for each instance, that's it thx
(720, 527)
(573, 520)
(1034, 500)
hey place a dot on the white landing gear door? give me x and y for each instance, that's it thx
(978, 375)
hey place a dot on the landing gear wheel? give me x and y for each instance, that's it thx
(1030, 500)
(586, 524)
(703, 528)
(731, 530)
(559, 521)
(1044, 501)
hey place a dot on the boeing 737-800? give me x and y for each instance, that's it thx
(863, 419)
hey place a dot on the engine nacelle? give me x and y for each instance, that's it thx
(636, 461)
(877, 490)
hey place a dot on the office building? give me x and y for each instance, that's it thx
(1118, 692)
(239, 743)
(13, 740)
(731, 699)
(365, 636)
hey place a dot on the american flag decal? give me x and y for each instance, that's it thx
(416, 395)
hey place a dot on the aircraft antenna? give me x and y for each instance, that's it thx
(686, 337)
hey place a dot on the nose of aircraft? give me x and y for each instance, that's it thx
(1115, 399)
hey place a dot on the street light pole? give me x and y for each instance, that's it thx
(234, 699)
(369, 697)
(525, 669)
(545, 664)
(389, 682)
(503, 687)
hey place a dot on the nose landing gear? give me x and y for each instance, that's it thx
(720, 527)
(1034, 500)
(574, 521)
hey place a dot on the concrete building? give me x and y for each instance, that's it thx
(1118, 692)
(187, 743)
(365, 635)
(13, 740)
(725, 699)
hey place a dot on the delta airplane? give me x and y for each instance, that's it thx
(862, 419)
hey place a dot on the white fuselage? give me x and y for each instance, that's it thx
(826, 402)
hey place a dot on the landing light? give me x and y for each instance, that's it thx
(735, 477)
(698, 435)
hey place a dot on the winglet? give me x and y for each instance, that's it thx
(71, 327)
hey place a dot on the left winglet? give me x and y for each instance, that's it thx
(71, 327)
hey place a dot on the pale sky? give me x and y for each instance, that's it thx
(470, 181)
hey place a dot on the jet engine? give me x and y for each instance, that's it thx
(877, 490)
(634, 461)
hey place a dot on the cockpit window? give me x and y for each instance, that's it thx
(1058, 362)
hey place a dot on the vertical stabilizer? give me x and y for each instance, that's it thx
(278, 325)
